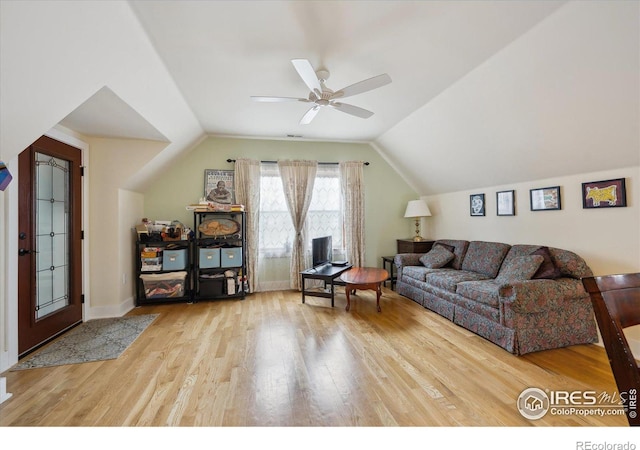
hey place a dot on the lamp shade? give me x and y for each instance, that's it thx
(417, 208)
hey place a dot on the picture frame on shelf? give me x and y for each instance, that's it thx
(477, 205)
(505, 203)
(219, 186)
(545, 199)
(604, 194)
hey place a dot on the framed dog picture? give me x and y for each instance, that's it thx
(604, 194)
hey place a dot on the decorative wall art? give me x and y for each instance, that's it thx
(505, 201)
(544, 199)
(604, 194)
(219, 187)
(477, 204)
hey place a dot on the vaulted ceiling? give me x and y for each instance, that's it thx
(494, 89)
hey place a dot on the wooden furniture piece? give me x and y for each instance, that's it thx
(411, 246)
(364, 278)
(388, 261)
(328, 275)
(616, 303)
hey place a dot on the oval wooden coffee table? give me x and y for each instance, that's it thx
(364, 278)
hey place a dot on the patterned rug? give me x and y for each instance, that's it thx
(95, 340)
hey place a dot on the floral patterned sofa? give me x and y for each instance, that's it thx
(524, 298)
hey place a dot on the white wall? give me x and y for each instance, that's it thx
(608, 239)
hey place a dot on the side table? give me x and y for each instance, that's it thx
(328, 275)
(388, 260)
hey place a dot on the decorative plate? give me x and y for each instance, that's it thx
(219, 227)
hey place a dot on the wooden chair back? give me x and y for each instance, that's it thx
(616, 303)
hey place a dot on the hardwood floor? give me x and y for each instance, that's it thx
(270, 360)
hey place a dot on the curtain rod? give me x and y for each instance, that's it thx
(276, 162)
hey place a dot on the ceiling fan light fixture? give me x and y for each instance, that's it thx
(322, 96)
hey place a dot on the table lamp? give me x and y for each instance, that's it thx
(415, 210)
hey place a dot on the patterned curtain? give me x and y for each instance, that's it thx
(247, 184)
(352, 181)
(298, 178)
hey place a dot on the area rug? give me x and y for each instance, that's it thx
(94, 340)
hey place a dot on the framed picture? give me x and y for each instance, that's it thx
(506, 203)
(544, 199)
(477, 204)
(218, 186)
(604, 194)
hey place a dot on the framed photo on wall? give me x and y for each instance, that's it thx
(544, 199)
(505, 201)
(476, 203)
(218, 186)
(604, 194)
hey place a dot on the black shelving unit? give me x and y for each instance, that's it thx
(219, 255)
(163, 272)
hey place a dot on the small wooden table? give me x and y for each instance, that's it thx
(364, 278)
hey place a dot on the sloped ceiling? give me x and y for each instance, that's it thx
(483, 93)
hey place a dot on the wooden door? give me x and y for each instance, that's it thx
(50, 242)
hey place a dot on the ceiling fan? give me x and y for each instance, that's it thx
(321, 96)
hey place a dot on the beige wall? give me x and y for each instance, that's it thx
(608, 239)
(386, 192)
(113, 212)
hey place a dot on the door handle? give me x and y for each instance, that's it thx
(24, 251)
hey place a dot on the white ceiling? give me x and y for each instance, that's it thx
(507, 87)
(222, 52)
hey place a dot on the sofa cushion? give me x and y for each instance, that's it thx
(449, 279)
(485, 257)
(519, 269)
(460, 249)
(418, 272)
(437, 257)
(480, 291)
(548, 268)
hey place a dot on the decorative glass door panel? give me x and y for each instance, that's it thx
(51, 219)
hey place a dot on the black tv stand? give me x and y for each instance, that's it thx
(327, 273)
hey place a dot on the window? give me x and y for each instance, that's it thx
(324, 217)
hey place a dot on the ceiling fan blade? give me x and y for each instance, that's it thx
(257, 98)
(308, 75)
(363, 86)
(309, 115)
(350, 109)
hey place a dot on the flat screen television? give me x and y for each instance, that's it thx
(321, 251)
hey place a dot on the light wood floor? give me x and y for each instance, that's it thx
(270, 360)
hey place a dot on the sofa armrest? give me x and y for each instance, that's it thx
(407, 259)
(533, 296)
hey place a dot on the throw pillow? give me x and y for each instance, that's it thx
(519, 269)
(548, 268)
(451, 248)
(437, 257)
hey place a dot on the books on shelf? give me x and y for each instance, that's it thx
(213, 206)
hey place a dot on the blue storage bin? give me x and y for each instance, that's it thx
(209, 258)
(174, 259)
(231, 257)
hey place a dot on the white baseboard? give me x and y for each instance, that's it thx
(105, 312)
(4, 395)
